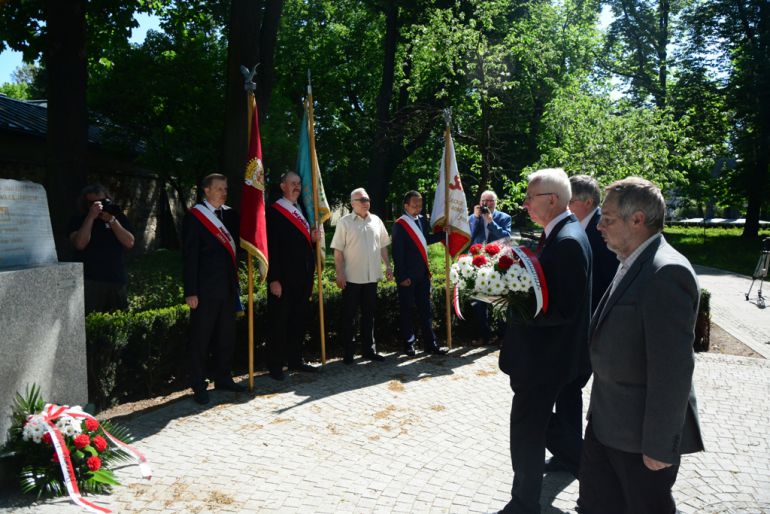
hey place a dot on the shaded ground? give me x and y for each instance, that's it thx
(721, 342)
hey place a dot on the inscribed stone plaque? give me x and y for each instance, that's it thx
(26, 238)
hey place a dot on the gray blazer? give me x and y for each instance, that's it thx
(641, 338)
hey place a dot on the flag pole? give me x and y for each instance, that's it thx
(314, 178)
(250, 87)
(447, 135)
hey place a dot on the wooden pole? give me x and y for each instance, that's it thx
(447, 135)
(314, 178)
(250, 262)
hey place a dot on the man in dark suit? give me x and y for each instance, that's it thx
(541, 355)
(211, 286)
(568, 414)
(411, 237)
(487, 224)
(643, 414)
(290, 244)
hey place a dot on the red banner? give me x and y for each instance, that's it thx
(253, 231)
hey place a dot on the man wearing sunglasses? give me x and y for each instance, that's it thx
(360, 246)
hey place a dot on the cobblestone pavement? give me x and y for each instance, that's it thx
(729, 308)
(427, 434)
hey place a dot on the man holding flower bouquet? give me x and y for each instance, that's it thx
(542, 354)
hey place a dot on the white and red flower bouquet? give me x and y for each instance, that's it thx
(62, 450)
(505, 275)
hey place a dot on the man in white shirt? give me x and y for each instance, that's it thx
(360, 245)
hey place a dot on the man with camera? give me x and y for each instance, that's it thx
(101, 234)
(487, 224)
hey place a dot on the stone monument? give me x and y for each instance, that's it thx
(42, 320)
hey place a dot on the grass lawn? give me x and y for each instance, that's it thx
(716, 247)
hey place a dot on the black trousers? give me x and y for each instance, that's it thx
(416, 294)
(288, 317)
(617, 482)
(530, 412)
(212, 329)
(565, 428)
(354, 295)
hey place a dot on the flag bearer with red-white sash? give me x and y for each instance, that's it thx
(291, 247)
(211, 286)
(411, 237)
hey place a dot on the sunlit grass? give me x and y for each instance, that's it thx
(722, 248)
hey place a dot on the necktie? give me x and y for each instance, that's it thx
(540, 243)
(218, 213)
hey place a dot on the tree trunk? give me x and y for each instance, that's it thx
(67, 133)
(242, 49)
(380, 166)
(267, 42)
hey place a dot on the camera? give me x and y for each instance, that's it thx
(110, 207)
(484, 209)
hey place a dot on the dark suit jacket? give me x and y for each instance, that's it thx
(546, 349)
(605, 262)
(208, 268)
(291, 257)
(641, 337)
(498, 229)
(407, 259)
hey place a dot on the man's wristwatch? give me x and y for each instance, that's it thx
(113, 220)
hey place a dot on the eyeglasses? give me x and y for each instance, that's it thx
(529, 198)
(362, 200)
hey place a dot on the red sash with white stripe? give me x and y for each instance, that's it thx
(216, 227)
(415, 238)
(296, 221)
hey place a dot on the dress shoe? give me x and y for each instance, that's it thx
(554, 465)
(277, 374)
(348, 359)
(435, 350)
(230, 386)
(374, 357)
(409, 350)
(304, 367)
(201, 396)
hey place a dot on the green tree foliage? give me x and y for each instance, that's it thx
(734, 37)
(586, 133)
(166, 95)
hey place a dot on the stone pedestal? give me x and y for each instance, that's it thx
(42, 336)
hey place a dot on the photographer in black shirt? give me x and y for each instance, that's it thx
(100, 234)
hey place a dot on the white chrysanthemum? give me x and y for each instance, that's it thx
(484, 279)
(33, 429)
(497, 285)
(526, 282)
(454, 274)
(69, 426)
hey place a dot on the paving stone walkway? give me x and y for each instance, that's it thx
(426, 434)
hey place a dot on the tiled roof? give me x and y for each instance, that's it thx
(19, 116)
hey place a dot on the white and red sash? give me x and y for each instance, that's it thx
(295, 217)
(216, 227)
(415, 232)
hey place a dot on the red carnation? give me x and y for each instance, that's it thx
(94, 463)
(81, 441)
(504, 263)
(479, 260)
(492, 249)
(47, 438)
(100, 443)
(475, 249)
(91, 424)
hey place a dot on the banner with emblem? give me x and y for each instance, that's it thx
(305, 172)
(253, 231)
(449, 205)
